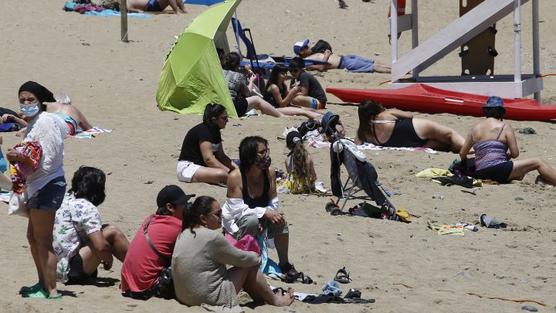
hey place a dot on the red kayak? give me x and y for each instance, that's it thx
(426, 99)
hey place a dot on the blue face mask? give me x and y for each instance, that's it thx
(29, 110)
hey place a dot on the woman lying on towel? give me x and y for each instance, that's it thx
(395, 128)
(245, 97)
(72, 117)
(491, 139)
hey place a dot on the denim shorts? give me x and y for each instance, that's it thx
(50, 196)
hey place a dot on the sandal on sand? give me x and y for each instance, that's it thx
(30, 289)
(293, 277)
(342, 276)
(42, 294)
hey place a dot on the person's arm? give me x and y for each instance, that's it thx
(83, 122)
(177, 6)
(512, 142)
(208, 156)
(235, 207)
(224, 159)
(14, 119)
(466, 147)
(399, 113)
(224, 253)
(101, 248)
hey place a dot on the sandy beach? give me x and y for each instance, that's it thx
(405, 267)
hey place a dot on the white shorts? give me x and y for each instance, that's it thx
(186, 170)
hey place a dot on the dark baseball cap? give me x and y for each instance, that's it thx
(328, 122)
(172, 194)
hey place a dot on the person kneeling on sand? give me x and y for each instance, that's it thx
(350, 62)
(202, 157)
(150, 251)
(395, 128)
(80, 240)
(200, 258)
(252, 203)
(491, 139)
(155, 5)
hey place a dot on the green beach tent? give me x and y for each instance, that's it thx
(192, 75)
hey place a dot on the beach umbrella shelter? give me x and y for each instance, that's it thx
(192, 75)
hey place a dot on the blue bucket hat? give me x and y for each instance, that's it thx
(494, 102)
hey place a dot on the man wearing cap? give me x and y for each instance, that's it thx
(322, 52)
(143, 265)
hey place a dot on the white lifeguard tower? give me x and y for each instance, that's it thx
(468, 26)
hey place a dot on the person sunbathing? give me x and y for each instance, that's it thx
(74, 119)
(199, 263)
(278, 95)
(491, 139)
(395, 128)
(350, 62)
(202, 157)
(155, 5)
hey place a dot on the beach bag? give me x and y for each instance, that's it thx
(17, 204)
(165, 287)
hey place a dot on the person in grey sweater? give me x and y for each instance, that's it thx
(199, 263)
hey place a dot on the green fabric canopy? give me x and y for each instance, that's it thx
(192, 75)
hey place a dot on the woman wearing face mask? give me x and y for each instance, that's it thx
(45, 187)
(73, 118)
(199, 263)
(252, 202)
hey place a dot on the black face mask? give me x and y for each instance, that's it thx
(264, 162)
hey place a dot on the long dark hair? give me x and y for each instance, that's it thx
(232, 61)
(367, 111)
(212, 110)
(192, 216)
(248, 151)
(89, 183)
(274, 79)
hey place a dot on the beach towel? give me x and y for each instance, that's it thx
(97, 10)
(316, 140)
(91, 133)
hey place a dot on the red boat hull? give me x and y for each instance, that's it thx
(426, 99)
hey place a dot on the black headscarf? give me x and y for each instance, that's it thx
(41, 93)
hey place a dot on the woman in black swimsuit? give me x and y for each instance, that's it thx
(395, 128)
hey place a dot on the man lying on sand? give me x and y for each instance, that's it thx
(155, 5)
(349, 62)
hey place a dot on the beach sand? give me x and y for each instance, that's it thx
(405, 267)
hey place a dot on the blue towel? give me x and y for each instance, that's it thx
(202, 2)
(70, 6)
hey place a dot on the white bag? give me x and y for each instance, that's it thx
(18, 204)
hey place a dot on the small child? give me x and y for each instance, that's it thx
(299, 165)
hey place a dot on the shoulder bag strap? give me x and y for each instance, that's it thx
(149, 241)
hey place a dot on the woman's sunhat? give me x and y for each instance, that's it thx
(494, 102)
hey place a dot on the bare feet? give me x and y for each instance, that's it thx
(283, 298)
